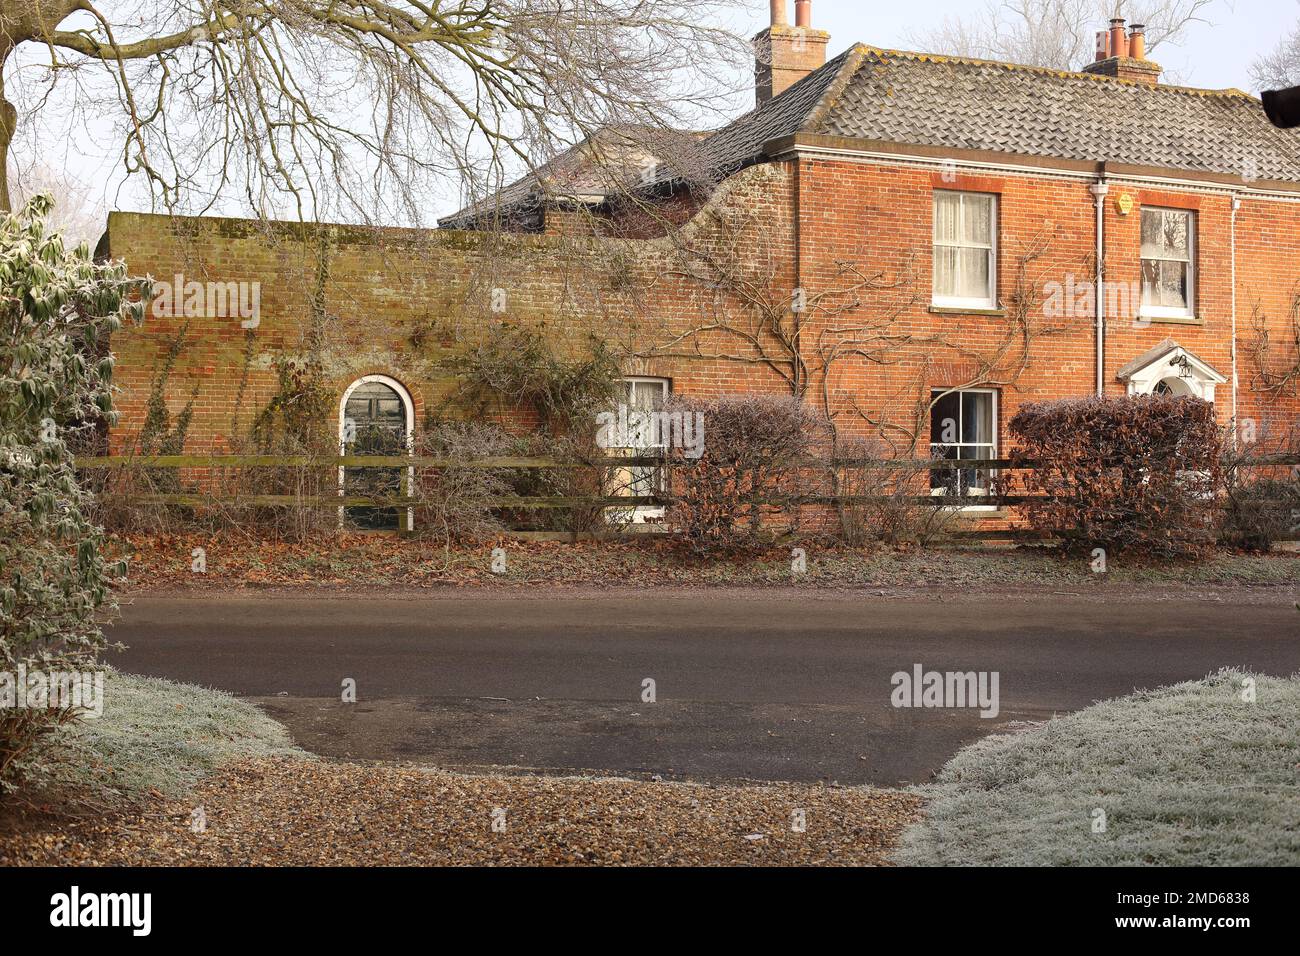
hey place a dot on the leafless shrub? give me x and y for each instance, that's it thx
(125, 499)
(744, 489)
(878, 497)
(1261, 501)
(135, 499)
(459, 503)
(235, 491)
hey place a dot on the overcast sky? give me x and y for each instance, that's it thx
(1214, 57)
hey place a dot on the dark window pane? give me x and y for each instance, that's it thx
(946, 480)
(945, 419)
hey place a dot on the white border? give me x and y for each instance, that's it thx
(640, 513)
(997, 445)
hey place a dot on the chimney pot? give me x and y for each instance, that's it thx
(1123, 56)
(785, 55)
(1118, 42)
(1137, 42)
(1103, 45)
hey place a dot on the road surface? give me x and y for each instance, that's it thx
(762, 685)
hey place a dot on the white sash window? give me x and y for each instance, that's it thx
(1168, 263)
(965, 250)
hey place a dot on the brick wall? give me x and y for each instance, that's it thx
(710, 305)
(400, 303)
(1268, 283)
(878, 218)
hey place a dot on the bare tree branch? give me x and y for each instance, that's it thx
(357, 109)
(1279, 68)
(1056, 33)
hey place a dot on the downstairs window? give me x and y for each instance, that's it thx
(963, 427)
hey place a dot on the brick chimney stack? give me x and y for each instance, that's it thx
(785, 54)
(1124, 56)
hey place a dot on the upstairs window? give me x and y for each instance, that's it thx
(1168, 263)
(965, 250)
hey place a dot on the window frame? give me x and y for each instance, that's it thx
(408, 403)
(656, 477)
(994, 445)
(985, 303)
(1147, 311)
(633, 381)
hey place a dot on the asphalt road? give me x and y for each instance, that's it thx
(768, 685)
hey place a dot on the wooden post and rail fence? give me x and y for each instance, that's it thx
(406, 464)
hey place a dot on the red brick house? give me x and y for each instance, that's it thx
(910, 242)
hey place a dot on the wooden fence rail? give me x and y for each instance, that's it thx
(341, 500)
(400, 461)
(347, 461)
(526, 503)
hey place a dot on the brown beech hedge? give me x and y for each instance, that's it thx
(1136, 474)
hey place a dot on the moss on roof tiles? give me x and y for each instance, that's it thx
(959, 102)
(955, 102)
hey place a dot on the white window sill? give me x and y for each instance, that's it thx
(635, 515)
(959, 305)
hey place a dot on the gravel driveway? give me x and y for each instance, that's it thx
(288, 811)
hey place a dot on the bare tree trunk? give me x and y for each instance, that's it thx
(8, 124)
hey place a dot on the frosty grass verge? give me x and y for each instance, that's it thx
(162, 736)
(1188, 775)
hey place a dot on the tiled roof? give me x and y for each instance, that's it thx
(606, 162)
(972, 104)
(742, 141)
(919, 99)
